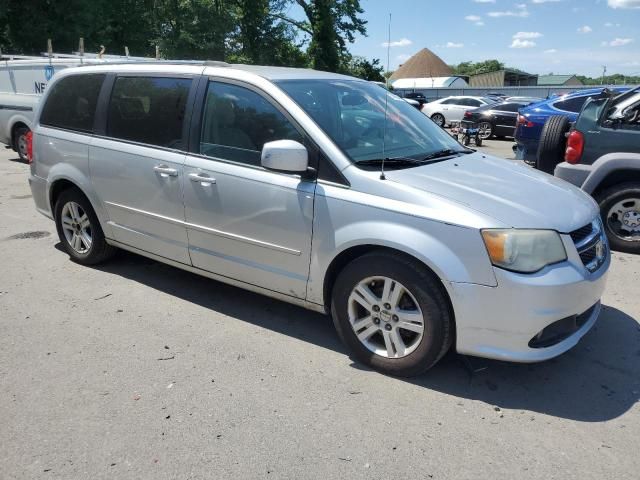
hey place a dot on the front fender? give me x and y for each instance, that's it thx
(607, 164)
(454, 253)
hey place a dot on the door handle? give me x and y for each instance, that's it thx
(204, 180)
(165, 171)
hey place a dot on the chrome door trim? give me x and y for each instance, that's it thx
(212, 231)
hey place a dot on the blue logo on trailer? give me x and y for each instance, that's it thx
(48, 72)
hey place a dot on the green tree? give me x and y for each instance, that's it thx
(264, 39)
(331, 24)
(475, 68)
(368, 70)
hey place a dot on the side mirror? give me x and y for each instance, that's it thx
(285, 156)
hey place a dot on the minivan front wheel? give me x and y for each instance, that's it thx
(79, 229)
(392, 313)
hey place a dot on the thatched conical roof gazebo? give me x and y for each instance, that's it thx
(423, 64)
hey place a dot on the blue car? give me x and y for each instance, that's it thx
(532, 118)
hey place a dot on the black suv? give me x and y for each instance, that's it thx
(602, 156)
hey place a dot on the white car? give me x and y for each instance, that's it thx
(451, 109)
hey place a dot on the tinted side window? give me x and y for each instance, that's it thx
(571, 105)
(472, 102)
(508, 107)
(72, 103)
(451, 101)
(148, 110)
(237, 122)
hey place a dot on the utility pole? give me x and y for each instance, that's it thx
(604, 72)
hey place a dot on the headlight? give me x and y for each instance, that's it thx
(524, 251)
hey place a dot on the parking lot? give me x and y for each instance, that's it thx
(135, 369)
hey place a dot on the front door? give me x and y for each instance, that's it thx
(243, 221)
(137, 166)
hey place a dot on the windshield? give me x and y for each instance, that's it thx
(352, 114)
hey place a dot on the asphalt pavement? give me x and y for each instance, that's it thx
(137, 370)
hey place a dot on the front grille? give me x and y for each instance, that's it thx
(581, 233)
(591, 245)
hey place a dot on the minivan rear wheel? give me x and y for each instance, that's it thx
(392, 313)
(79, 229)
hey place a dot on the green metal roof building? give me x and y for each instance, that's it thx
(558, 81)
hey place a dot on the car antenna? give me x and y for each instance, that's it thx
(386, 106)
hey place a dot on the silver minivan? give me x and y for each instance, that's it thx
(327, 192)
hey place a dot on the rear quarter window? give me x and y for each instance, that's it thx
(71, 104)
(571, 104)
(149, 110)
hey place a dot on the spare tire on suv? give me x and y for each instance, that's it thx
(552, 143)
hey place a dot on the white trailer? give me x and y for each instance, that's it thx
(24, 79)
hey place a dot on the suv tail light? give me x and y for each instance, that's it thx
(29, 139)
(467, 114)
(524, 121)
(575, 147)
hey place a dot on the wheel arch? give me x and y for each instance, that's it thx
(341, 260)
(610, 170)
(71, 177)
(356, 251)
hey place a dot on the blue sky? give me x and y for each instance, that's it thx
(538, 36)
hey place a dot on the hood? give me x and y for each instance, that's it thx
(509, 191)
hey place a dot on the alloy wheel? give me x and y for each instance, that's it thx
(484, 130)
(385, 317)
(76, 227)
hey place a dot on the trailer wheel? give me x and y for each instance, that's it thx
(20, 142)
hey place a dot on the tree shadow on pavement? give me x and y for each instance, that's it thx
(596, 381)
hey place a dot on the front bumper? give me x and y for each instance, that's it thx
(500, 322)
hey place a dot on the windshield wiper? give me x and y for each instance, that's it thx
(399, 161)
(391, 161)
(447, 152)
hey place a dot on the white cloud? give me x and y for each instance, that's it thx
(454, 45)
(517, 43)
(524, 35)
(521, 12)
(585, 29)
(551, 50)
(609, 25)
(403, 42)
(545, 1)
(618, 42)
(624, 3)
(485, 1)
(473, 18)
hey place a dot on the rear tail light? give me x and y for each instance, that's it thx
(524, 121)
(575, 147)
(467, 114)
(29, 139)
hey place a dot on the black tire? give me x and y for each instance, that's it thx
(100, 250)
(552, 143)
(488, 128)
(439, 119)
(19, 142)
(466, 140)
(430, 295)
(478, 141)
(610, 197)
